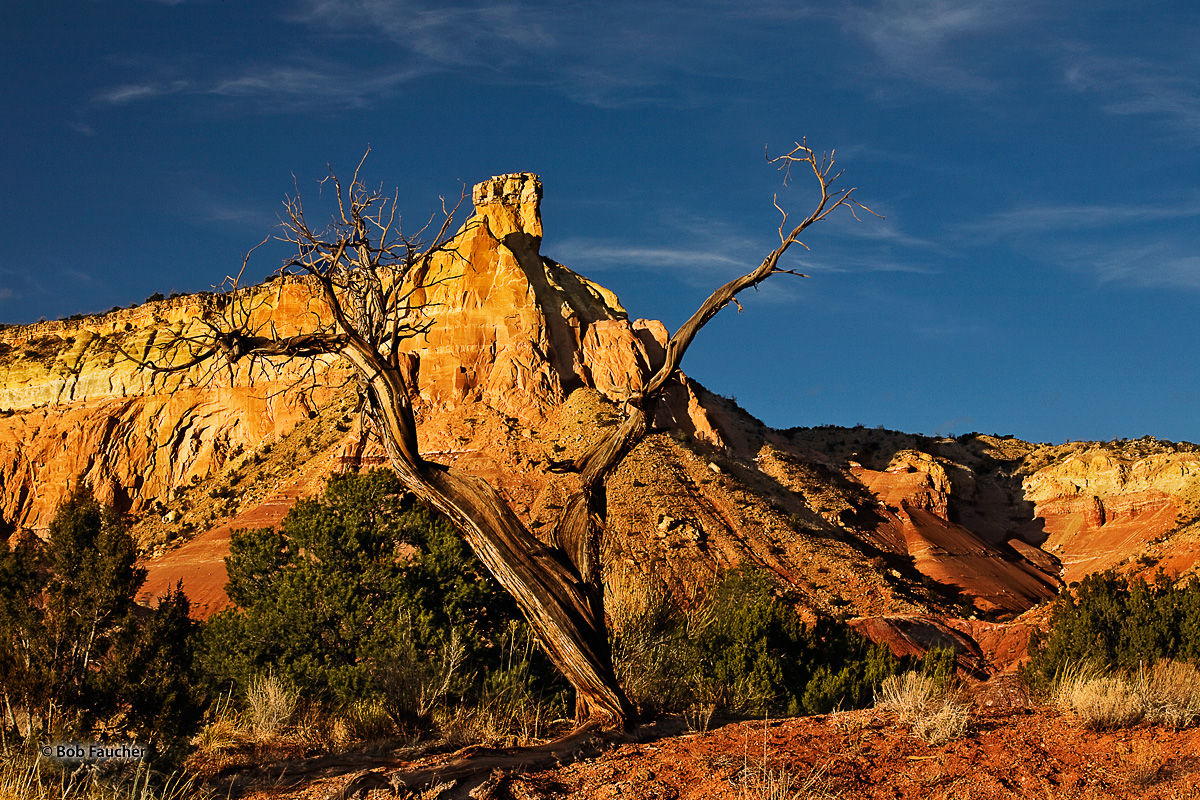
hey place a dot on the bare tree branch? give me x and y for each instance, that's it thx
(370, 275)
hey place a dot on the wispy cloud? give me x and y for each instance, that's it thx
(619, 53)
(133, 92)
(1138, 86)
(300, 87)
(705, 252)
(924, 40)
(466, 34)
(1149, 245)
(699, 262)
(1150, 265)
(609, 56)
(271, 89)
(241, 215)
(1040, 219)
(77, 276)
(850, 262)
(881, 230)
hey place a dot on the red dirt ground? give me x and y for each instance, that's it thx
(1011, 752)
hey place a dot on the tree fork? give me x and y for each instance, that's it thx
(372, 278)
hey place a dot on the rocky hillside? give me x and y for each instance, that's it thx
(926, 540)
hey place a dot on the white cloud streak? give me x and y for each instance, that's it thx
(702, 263)
(1148, 265)
(1040, 219)
(922, 40)
(1145, 245)
(466, 35)
(617, 54)
(299, 88)
(709, 265)
(1137, 86)
(133, 92)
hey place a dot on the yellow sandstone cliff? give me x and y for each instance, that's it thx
(525, 364)
(513, 330)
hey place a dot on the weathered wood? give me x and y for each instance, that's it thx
(480, 767)
(368, 274)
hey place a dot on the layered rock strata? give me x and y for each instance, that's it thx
(525, 364)
(512, 330)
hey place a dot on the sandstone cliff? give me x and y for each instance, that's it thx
(514, 331)
(527, 362)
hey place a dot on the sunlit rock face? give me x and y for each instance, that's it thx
(510, 329)
(524, 366)
(1105, 505)
(79, 410)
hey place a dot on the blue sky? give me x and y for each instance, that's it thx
(1037, 270)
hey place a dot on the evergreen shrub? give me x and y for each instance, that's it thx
(744, 649)
(364, 595)
(79, 659)
(1112, 622)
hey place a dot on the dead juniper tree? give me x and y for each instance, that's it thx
(370, 275)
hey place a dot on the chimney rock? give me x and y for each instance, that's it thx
(511, 203)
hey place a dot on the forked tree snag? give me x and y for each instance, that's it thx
(372, 277)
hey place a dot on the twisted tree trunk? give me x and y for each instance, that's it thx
(369, 274)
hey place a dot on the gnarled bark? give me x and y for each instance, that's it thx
(369, 274)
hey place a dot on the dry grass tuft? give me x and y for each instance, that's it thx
(1169, 694)
(1143, 772)
(933, 711)
(25, 776)
(1173, 694)
(271, 704)
(501, 722)
(946, 721)
(362, 721)
(781, 784)
(1102, 702)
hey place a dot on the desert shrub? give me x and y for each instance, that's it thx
(79, 657)
(654, 652)
(364, 595)
(758, 649)
(514, 704)
(270, 704)
(744, 649)
(26, 776)
(930, 706)
(363, 721)
(1121, 650)
(1110, 622)
(1166, 693)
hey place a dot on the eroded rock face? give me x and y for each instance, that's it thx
(915, 493)
(1101, 506)
(526, 363)
(512, 330)
(79, 410)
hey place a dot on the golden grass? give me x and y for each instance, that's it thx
(24, 776)
(933, 711)
(1166, 694)
(781, 784)
(271, 704)
(1173, 694)
(1101, 702)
